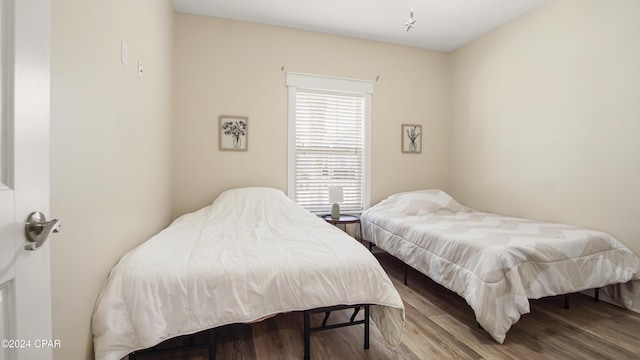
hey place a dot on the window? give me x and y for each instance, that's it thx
(328, 141)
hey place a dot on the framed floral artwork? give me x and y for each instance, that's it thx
(411, 138)
(233, 133)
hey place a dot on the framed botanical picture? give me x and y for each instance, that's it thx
(411, 138)
(233, 133)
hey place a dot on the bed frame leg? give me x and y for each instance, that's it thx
(133, 356)
(566, 301)
(406, 271)
(213, 344)
(366, 326)
(307, 333)
(327, 310)
(596, 295)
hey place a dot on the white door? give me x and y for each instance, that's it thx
(25, 279)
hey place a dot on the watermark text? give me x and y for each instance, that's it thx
(30, 344)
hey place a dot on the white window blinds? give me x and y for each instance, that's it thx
(328, 147)
(329, 150)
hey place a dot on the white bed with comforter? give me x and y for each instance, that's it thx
(496, 263)
(251, 254)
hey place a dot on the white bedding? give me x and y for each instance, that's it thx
(496, 263)
(250, 254)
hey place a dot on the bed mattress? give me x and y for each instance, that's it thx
(251, 254)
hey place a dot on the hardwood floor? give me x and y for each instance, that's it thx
(439, 325)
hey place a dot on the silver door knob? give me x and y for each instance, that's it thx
(37, 229)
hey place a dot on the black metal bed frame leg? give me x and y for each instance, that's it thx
(133, 356)
(406, 271)
(366, 326)
(596, 297)
(307, 333)
(327, 311)
(213, 344)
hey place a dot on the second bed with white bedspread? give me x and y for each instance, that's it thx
(496, 263)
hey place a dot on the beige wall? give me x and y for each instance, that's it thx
(546, 117)
(110, 148)
(235, 68)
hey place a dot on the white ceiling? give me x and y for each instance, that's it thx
(441, 25)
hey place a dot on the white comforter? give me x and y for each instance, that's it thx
(495, 262)
(250, 254)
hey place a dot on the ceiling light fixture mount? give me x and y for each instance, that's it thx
(411, 23)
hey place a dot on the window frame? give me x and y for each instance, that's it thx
(332, 85)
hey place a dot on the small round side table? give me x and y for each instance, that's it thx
(343, 220)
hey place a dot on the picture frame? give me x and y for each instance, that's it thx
(233, 133)
(411, 138)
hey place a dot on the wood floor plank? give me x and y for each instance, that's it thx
(439, 325)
